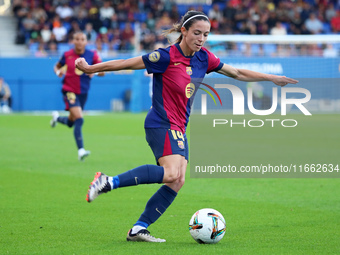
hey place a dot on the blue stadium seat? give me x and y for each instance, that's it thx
(105, 46)
(286, 25)
(141, 16)
(269, 48)
(255, 48)
(206, 8)
(91, 46)
(182, 9)
(62, 47)
(336, 46)
(222, 5)
(123, 24)
(33, 48)
(239, 46)
(326, 28)
(67, 25)
(115, 46)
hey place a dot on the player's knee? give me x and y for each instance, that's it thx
(75, 115)
(180, 182)
(181, 179)
(171, 178)
(171, 174)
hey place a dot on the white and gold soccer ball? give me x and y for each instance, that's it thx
(207, 226)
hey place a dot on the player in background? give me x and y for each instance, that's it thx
(76, 85)
(5, 97)
(174, 70)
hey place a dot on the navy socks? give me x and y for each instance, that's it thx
(66, 121)
(156, 206)
(78, 124)
(145, 174)
(78, 136)
(159, 202)
(140, 175)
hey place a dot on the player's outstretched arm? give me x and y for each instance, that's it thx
(247, 75)
(58, 70)
(112, 65)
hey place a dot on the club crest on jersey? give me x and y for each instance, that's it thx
(189, 90)
(154, 56)
(180, 144)
(189, 70)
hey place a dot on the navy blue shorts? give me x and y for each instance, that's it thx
(165, 142)
(71, 100)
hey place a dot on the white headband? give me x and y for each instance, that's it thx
(198, 15)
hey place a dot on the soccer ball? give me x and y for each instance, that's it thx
(207, 226)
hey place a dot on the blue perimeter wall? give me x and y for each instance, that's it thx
(35, 87)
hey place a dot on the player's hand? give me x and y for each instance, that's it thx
(283, 80)
(82, 65)
(60, 73)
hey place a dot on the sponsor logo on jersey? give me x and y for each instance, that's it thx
(189, 90)
(189, 70)
(154, 56)
(176, 64)
(78, 72)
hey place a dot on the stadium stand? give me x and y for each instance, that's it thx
(53, 22)
(7, 38)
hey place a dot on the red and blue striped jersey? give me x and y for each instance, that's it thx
(75, 80)
(174, 85)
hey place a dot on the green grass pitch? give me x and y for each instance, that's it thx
(43, 188)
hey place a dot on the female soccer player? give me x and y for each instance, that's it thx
(165, 124)
(76, 85)
(5, 96)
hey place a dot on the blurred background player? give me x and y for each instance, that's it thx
(175, 70)
(5, 97)
(75, 87)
